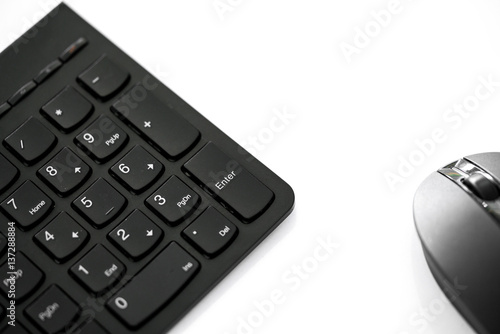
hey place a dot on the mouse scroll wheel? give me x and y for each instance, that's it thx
(482, 187)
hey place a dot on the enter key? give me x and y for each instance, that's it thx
(229, 182)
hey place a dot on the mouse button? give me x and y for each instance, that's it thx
(462, 242)
(454, 228)
(452, 173)
(482, 186)
(463, 165)
(489, 162)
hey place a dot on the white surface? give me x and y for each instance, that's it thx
(352, 122)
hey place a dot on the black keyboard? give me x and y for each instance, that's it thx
(120, 205)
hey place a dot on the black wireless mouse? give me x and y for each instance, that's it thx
(457, 215)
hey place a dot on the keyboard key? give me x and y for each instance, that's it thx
(98, 270)
(67, 110)
(54, 311)
(65, 172)
(102, 140)
(162, 126)
(71, 50)
(22, 92)
(136, 236)
(137, 170)
(173, 201)
(4, 107)
(104, 77)
(62, 237)
(229, 182)
(31, 141)
(8, 173)
(100, 203)
(26, 274)
(47, 71)
(27, 205)
(211, 232)
(154, 286)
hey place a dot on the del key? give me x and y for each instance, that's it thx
(229, 182)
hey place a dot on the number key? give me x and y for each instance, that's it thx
(136, 235)
(173, 201)
(65, 172)
(137, 170)
(100, 203)
(98, 269)
(27, 205)
(62, 237)
(102, 139)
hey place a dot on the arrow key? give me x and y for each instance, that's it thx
(65, 172)
(62, 237)
(137, 170)
(136, 236)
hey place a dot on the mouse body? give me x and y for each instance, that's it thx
(457, 216)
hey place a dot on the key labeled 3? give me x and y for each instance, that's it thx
(174, 201)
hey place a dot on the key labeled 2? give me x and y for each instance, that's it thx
(136, 236)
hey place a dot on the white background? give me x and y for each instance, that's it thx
(352, 119)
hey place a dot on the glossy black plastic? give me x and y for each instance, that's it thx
(20, 63)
